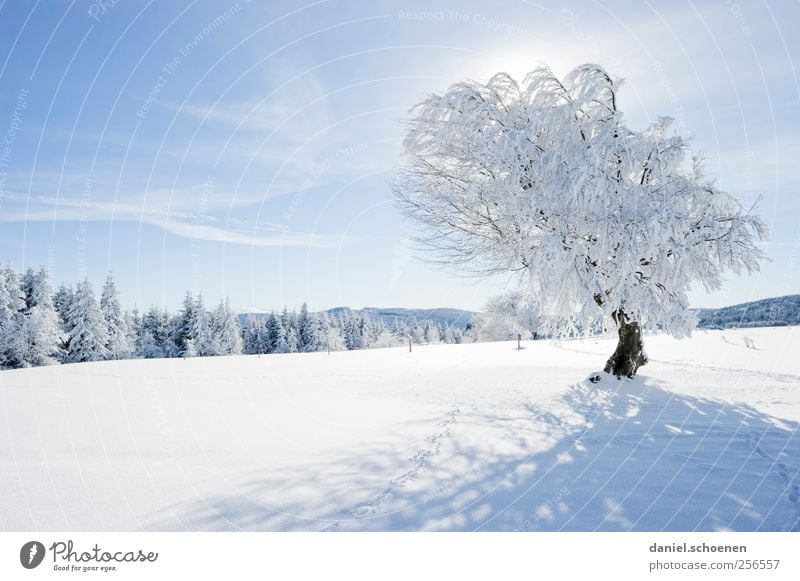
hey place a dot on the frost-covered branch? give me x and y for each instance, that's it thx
(544, 178)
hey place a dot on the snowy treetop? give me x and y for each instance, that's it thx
(545, 179)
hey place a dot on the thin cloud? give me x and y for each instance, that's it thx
(181, 219)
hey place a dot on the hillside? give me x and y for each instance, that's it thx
(448, 437)
(772, 312)
(451, 317)
(390, 316)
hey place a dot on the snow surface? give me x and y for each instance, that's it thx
(449, 437)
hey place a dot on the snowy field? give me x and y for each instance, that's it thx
(449, 437)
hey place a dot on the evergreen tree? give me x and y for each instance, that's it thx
(8, 324)
(206, 340)
(334, 339)
(276, 335)
(40, 334)
(352, 330)
(62, 299)
(27, 283)
(11, 318)
(190, 350)
(155, 334)
(183, 326)
(134, 320)
(117, 333)
(256, 336)
(367, 329)
(310, 331)
(226, 329)
(292, 340)
(302, 327)
(87, 337)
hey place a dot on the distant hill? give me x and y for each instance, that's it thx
(390, 316)
(451, 317)
(774, 312)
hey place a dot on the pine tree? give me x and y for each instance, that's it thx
(8, 324)
(154, 334)
(40, 334)
(309, 331)
(87, 337)
(189, 350)
(226, 329)
(292, 340)
(117, 332)
(367, 329)
(334, 339)
(302, 327)
(206, 340)
(276, 335)
(11, 319)
(183, 326)
(256, 337)
(62, 300)
(134, 320)
(27, 283)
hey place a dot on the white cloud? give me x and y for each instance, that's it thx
(177, 215)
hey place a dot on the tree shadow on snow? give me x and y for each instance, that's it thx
(628, 455)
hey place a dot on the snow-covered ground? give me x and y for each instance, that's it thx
(449, 437)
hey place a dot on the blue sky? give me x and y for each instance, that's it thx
(246, 149)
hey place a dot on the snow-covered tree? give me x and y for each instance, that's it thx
(449, 335)
(431, 333)
(603, 223)
(331, 333)
(506, 317)
(292, 340)
(353, 328)
(302, 326)
(6, 318)
(27, 282)
(385, 339)
(9, 322)
(118, 343)
(86, 338)
(254, 336)
(276, 335)
(40, 337)
(134, 321)
(12, 307)
(226, 330)
(182, 328)
(206, 341)
(189, 348)
(417, 333)
(62, 299)
(155, 334)
(310, 332)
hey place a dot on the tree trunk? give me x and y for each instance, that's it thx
(629, 355)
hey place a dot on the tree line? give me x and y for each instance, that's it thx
(42, 327)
